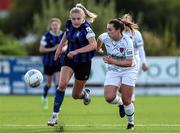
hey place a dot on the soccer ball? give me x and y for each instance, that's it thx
(33, 78)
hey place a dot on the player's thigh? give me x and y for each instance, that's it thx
(57, 76)
(65, 75)
(126, 93)
(110, 92)
(133, 95)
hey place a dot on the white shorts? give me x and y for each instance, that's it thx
(127, 77)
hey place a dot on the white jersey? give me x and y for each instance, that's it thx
(122, 49)
(137, 40)
(138, 44)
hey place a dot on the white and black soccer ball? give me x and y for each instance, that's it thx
(33, 78)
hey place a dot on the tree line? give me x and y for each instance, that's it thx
(158, 21)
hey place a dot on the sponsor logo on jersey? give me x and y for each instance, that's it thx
(129, 52)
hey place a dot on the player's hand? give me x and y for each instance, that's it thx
(144, 67)
(64, 48)
(108, 59)
(100, 51)
(71, 54)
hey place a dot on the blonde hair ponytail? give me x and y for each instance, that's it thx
(126, 17)
(89, 16)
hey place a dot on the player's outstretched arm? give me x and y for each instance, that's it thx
(59, 50)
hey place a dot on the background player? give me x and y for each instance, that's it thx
(48, 46)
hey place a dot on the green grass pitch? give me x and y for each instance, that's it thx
(152, 114)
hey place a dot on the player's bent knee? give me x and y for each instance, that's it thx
(109, 99)
(75, 96)
(127, 102)
(62, 85)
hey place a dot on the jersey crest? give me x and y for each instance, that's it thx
(121, 49)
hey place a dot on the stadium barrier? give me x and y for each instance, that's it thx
(162, 78)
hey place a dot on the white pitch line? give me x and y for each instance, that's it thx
(92, 125)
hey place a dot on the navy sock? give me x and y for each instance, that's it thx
(46, 89)
(59, 97)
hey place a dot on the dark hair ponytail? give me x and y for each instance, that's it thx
(117, 24)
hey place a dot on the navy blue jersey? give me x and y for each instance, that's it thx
(78, 38)
(49, 40)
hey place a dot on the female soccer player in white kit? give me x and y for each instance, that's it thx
(138, 42)
(121, 67)
(131, 29)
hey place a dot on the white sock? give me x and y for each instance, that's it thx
(55, 114)
(117, 100)
(129, 110)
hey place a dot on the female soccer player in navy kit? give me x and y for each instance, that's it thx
(48, 46)
(81, 49)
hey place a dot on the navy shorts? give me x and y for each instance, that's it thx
(50, 70)
(81, 69)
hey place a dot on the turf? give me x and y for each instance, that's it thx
(24, 114)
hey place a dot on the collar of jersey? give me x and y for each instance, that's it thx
(51, 32)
